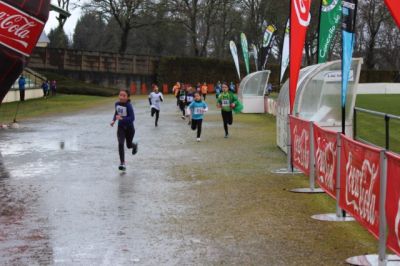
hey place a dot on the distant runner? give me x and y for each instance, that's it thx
(155, 98)
(204, 90)
(182, 100)
(175, 90)
(126, 131)
(227, 102)
(197, 109)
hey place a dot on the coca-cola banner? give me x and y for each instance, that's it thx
(21, 23)
(300, 136)
(393, 202)
(325, 150)
(19, 31)
(359, 183)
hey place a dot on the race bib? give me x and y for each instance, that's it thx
(198, 111)
(225, 103)
(190, 98)
(122, 110)
(182, 98)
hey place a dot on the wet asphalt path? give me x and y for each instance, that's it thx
(64, 202)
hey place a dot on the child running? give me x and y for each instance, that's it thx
(126, 131)
(197, 109)
(154, 99)
(182, 100)
(227, 102)
(190, 97)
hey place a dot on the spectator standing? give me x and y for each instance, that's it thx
(53, 88)
(21, 86)
(232, 87)
(45, 88)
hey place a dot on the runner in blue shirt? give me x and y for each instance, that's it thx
(197, 109)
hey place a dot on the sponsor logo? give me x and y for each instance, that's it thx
(359, 189)
(328, 6)
(301, 153)
(302, 12)
(326, 162)
(18, 30)
(397, 224)
(336, 75)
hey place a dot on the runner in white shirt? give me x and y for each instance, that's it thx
(155, 98)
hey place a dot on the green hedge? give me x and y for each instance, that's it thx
(376, 76)
(195, 69)
(67, 85)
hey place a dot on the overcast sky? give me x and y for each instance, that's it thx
(69, 25)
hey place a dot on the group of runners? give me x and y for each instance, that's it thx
(191, 103)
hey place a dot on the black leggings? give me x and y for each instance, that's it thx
(204, 96)
(156, 112)
(125, 133)
(182, 106)
(227, 117)
(197, 124)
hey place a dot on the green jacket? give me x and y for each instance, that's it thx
(225, 99)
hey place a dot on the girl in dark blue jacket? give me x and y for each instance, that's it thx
(126, 131)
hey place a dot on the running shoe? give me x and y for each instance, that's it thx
(135, 148)
(226, 136)
(198, 139)
(122, 167)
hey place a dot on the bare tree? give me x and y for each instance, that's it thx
(228, 24)
(373, 14)
(129, 14)
(198, 17)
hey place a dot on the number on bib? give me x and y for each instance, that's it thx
(225, 103)
(198, 110)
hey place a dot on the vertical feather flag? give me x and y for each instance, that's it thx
(245, 49)
(329, 21)
(235, 56)
(285, 50)
(348, 36)
(300, 18)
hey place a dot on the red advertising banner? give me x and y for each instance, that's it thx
(300, 18)
(394, 7)
(300, 136)
(19, 31)
(325, 151)
(359, 182)
(393, 202)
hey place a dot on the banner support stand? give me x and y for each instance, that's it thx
(289, 167)
(312, 188)
(380, 259)
(338, 216)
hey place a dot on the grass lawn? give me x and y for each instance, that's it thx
(52, 105)
(372, 128)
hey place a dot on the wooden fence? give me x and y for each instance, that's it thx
(75, 60)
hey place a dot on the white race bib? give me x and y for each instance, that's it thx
(198, 110)
(190, 98)
(225, 103)
(122, 110)
(182, 98)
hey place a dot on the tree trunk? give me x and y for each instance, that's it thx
(124, 40)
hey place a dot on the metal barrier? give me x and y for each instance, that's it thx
(387, 118)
